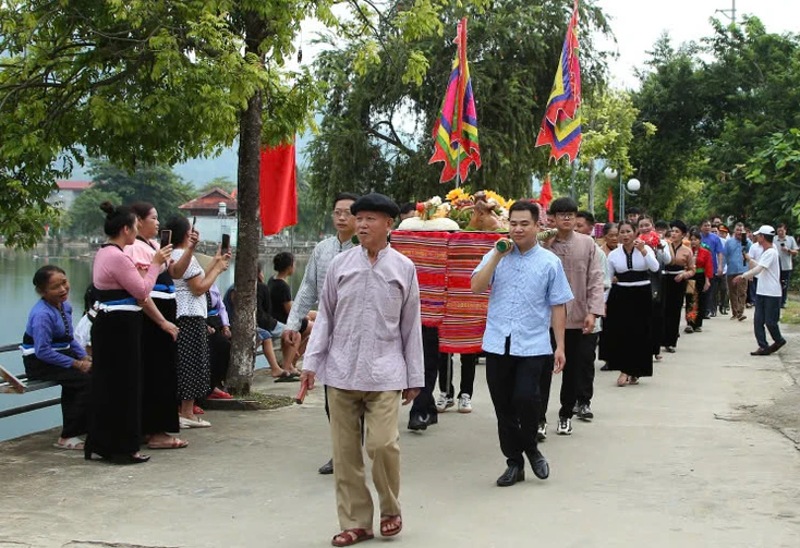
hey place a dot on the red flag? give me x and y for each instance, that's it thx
(610, 205)
(278, 188)
(546, 195)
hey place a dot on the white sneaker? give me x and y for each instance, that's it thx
(465, 403)
(564, 427)
(444, 402)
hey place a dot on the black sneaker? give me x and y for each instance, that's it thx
(541, 432)
(585, 412)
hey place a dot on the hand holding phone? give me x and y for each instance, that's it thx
(225, 246)
(166, 238)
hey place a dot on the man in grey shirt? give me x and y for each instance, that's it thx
(787, 248)
(314, 277)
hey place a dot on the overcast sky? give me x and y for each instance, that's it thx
(638, 23)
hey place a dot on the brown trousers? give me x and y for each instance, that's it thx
(737, 295)
(380, 411)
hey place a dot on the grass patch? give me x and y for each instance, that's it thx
(275, 401)
(791, 314)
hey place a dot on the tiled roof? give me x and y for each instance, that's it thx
(210, 201)
(73, 185)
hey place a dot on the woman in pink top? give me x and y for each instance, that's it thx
(159, 354)
(115, 415)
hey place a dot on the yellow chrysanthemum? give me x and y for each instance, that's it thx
(491, 194)
(456, 194)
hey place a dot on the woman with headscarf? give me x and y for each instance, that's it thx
(629, 307)
(676, 273)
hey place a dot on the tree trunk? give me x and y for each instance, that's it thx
(240, 372)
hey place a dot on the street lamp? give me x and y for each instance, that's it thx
(631, 187)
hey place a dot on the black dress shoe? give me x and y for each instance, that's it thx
(326, 468)
(774, 347)
(512, 475)
(541, 469)
(418, 422)
(760, 352)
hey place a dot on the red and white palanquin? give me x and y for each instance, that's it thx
(445, 261)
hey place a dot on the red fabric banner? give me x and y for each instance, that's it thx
(278, 188)
(610, 206)
(546, 195)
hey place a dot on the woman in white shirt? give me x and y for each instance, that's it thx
(629, 332)
(194, 367)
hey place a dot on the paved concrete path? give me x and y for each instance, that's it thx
(675, 461)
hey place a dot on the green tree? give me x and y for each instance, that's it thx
(218, 182)
(157, 83)
(158, 185)
(376, 131)
(85, 217)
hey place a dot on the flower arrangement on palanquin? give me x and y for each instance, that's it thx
(484, 211)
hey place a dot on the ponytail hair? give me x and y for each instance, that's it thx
(117, 218)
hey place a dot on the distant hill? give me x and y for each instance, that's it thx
(199, 171)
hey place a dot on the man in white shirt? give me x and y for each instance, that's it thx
(768, 292)
(787, 248)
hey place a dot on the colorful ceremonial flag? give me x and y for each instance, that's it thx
(278, 188)
(455, 132)
(610, 205)
(561, 126)
(546, 195)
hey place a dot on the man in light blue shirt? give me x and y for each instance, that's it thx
(528, 292)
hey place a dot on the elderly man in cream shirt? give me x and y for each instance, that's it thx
(366, 347)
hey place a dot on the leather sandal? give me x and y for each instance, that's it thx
(348, 537)
(391, 525)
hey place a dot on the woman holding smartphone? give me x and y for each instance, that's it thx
(194, 367)
(116, 396)
(159, 332)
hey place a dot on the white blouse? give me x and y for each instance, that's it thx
(188, 303)
(620, 262)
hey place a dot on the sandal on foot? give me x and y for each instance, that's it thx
(391, 525)
(173, 443)
(623, 380)
(633, 380)
(286, 377)
(70, 444)
(348, 537)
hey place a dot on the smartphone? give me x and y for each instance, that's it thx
(226, 243)
(166, 237)
(194, 222)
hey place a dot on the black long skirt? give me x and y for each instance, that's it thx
(159, 373)
(116, 395)
(628, 334)
(194, 369)
(673, 304)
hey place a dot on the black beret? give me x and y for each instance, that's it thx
(375, 202)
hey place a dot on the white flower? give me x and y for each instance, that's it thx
(436, 201)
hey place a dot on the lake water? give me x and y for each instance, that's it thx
(18, 296)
